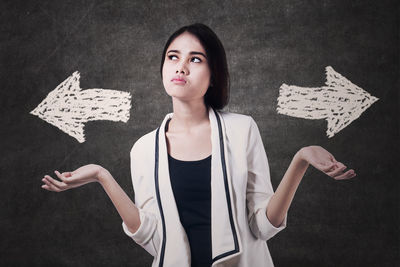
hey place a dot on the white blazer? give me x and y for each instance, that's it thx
(240, 191)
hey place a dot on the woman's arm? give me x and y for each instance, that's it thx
(95, 173)
(283, 196)
(124, 205)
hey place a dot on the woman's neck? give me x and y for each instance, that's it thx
(188, 115)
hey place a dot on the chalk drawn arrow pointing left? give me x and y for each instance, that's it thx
(339, 101)
(68, 107)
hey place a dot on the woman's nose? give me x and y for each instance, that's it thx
(182, 68)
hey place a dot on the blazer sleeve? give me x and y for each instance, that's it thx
(259, 189)
(146, 235)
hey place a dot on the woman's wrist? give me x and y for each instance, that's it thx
(102, 175)
(300, 157)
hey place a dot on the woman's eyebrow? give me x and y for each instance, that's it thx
(191, 53)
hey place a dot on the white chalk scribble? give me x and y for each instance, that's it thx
(68, 107)
(339, 102)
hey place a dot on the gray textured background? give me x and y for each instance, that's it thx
(118, 45)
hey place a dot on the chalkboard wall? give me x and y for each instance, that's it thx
(118, 44)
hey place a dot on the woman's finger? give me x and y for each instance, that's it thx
(67, 179)
(71, 179)
(337, 171)
(59, 184)
(340, 165)
(333, 158)
(50, 186)
(60, 176)
(347, 175)
(328, 167)
(45, 186)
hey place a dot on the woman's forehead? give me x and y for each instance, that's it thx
(186, 42)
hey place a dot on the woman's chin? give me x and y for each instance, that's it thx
(179, 93)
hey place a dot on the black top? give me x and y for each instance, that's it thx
(191, 184)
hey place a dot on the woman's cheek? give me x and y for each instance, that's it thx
(205, 78)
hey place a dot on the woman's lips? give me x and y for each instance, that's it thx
(178, 80)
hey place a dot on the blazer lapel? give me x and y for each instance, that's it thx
(225, 237)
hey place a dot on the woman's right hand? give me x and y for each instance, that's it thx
(83, 175)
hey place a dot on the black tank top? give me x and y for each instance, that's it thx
(191, 184)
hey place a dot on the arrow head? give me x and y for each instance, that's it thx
(52, 109)
(62, 93)
(350, 101)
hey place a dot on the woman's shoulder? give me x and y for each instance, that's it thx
(143, 143)
(237, 119)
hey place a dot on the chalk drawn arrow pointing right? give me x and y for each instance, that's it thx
(68, 107)
(339, 101)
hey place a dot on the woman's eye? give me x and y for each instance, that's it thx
(196, 60)
(172, 57)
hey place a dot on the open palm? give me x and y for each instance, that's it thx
(324, 161)
(67, 180)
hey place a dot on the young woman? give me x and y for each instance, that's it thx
(203, 194)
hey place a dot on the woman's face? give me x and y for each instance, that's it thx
(186, 74)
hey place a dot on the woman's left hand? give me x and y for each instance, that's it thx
(324, 161)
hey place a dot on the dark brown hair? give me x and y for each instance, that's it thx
(217, 95)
